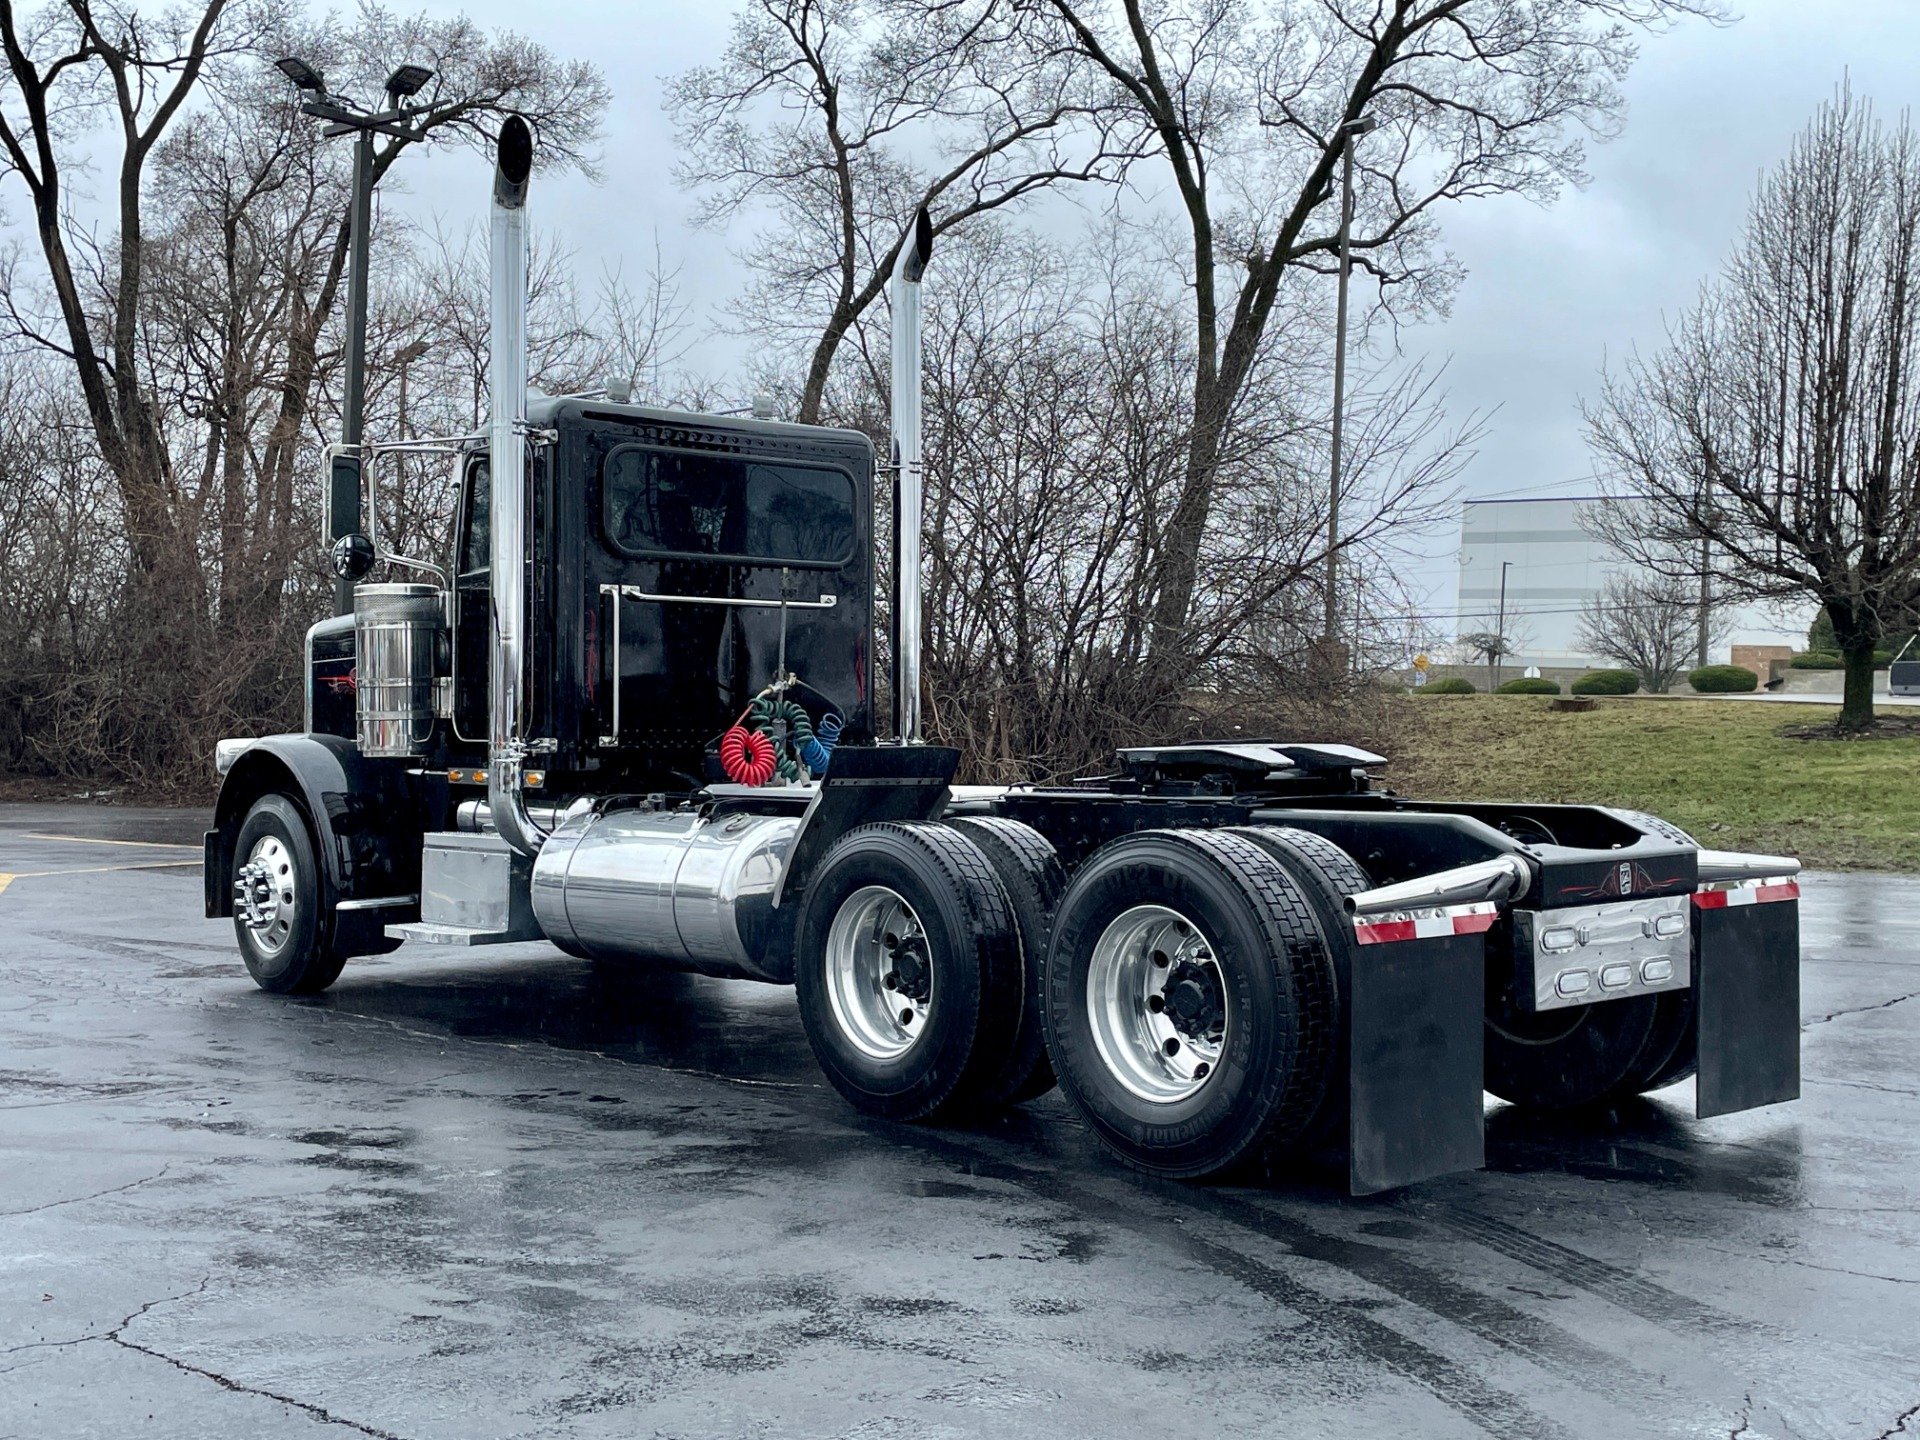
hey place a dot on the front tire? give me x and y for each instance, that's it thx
(1190, 1002)
(279, 896)
(907, 969)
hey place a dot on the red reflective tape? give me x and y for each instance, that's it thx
(1383, 932)
(1427, 927)
(1746, 895)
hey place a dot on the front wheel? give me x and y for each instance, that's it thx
(278, 895)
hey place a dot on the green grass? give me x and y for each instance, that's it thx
(1718, 769)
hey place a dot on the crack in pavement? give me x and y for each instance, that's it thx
(1860, 1010)
(1899, 1426)
(1746, 1419)
(81, 1199)
(1859, 1085)
(117, 1336)
(1810, 1265)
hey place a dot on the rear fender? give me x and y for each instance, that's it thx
(367, 824)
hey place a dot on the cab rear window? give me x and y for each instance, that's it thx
(691, 505)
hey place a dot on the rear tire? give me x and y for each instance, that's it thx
(1327, 875)
(1569, 1059)
(279, 899)
(1673, 1050)
(1216, 930)
(907, 969)
(1029, 869)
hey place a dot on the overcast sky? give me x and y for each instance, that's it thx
(1550, 294)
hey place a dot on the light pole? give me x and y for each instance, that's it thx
(1349, 132)
(403, 358)
(1500, 628)
(405, 123)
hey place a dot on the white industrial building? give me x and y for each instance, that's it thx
(1554, 569)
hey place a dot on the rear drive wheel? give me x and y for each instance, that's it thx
(278, 897)
(1673, 1049)
(1029, 869)
(907, 969)
(1568, 1059)
(1188, 1006)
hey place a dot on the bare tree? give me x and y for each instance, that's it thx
(188, 318)
(1489, 647)
(1057, 428)
(1248, 104)
(1779, 429)
(847, 117)
(1646, 623)
(78, 72)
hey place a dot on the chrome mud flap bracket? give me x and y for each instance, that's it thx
(1746, 938)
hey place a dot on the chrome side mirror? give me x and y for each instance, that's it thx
(352, 557)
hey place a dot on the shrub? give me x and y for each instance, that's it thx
(1529, 685)
(1607, 682)
(1452, 685)
(1723, 679)
(1821, 660)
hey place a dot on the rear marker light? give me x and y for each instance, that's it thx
(1654, 971)
(1573, 982)
(1616, 977)
(1667, 926)
(1559, 939)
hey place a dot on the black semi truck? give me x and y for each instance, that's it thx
(632, 713)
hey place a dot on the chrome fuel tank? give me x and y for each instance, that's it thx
(676, 889)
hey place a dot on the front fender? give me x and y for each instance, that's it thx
(367, 816)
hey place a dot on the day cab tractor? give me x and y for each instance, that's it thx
(632, 713)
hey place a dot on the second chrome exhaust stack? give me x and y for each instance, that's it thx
(507, 459)
(908, 485)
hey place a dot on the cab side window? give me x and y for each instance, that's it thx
(476, 520)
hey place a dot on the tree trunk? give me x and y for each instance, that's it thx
(1856, 704)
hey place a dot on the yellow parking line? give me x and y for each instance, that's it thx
(88, 840)
(6, 880)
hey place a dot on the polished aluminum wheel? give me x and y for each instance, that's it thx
(879, 973)
(1156, 1004)
(264, 894)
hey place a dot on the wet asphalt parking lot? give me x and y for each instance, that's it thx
(510, 1194)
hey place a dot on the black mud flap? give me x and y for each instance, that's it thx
(213, 875)
(866, 784)
(1417, 1061)
(1746, 995)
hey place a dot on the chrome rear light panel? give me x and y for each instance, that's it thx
(1603, 952)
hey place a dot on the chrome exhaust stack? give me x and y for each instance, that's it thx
(1501, 878)
(908, 492)
(507, 452)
